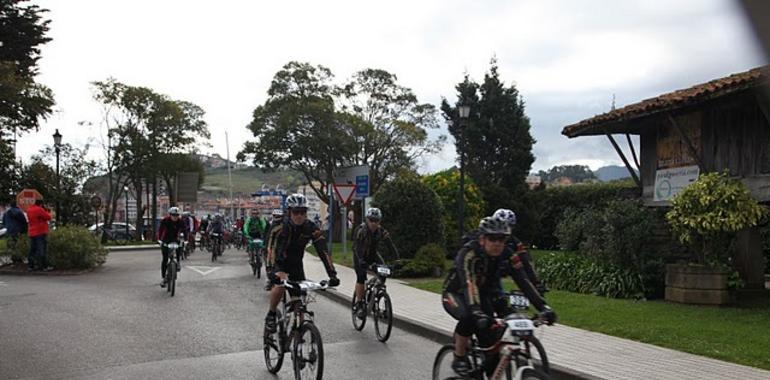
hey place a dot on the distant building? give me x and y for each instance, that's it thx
(533, 181)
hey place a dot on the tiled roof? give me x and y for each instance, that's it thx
(672, 100)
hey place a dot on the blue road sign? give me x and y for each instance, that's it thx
(362, 186)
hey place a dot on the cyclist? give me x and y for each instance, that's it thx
(517, 248)
(254, 228)
(365, 242)
(203, 227)
(472, 290)
(170, 228)
(290, 243)
(217, 226)
(276, 224)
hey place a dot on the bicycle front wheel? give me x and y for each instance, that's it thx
(359, 321)
(442, 365)
(533, 354)
(308, 353)
(172, 284)
(383, 316)
(272, 346)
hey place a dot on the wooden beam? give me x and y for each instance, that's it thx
(633, 153)
(687, 142)
(763, 102)
(625, 161)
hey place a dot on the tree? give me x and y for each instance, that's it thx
(169, 164)
(496, 141)
(23, 102)
(298, 128)
(146, 126)
(9, 172)
(445, 184)
(576, 173)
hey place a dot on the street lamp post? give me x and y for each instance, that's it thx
(463, 111)
(125, 190)
(57, 145)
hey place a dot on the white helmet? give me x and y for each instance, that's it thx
(277, 213)
(491, 225)
(507, 215)
(173, 210)
(374, 213)
(296, 201)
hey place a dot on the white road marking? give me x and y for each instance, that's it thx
(203, 270)
(3, 283)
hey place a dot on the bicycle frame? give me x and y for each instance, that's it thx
(297, 307)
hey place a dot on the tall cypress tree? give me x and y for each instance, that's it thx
(496, 138)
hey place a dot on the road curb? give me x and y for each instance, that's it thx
(132, 248)
(6, 270)
(432, 333)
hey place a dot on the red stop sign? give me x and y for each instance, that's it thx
(27, 197)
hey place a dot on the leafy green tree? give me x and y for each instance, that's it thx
(446, 184)
(146, 126)
(413, 214)
(496, 139)
(9, 173)
(23, 102)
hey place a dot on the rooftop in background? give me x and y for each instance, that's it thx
(604, 123)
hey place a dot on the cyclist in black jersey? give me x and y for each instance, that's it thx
(289, 250)
(472, 290)
(366, 240)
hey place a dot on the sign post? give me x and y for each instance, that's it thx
(27, 197)
(345, 193)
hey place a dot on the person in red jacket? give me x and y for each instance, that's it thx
(38, 216)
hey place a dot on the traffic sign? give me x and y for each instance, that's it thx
(354, 175)
(96, 202)
(344, 192)
(27, 197)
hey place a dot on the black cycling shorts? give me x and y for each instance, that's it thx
(361, 266)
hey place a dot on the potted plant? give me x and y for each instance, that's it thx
(706, 216)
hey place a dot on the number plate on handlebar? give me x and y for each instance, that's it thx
(520, 324)
(383, 271)
(518, 301)
(172, 245)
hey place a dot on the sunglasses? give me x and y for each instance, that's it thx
(299, 212)
(373, 220)
(497, 238)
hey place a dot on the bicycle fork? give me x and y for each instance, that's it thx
(505, 357)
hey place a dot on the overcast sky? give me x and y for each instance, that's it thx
(567, 58)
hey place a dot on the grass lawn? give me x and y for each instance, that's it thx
(2, 245)
(735, 334)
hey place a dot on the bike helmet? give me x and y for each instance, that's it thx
(277, 213)
(173, 211)
(296, 201)
(374, 213)
(491, 225)
(507, 215)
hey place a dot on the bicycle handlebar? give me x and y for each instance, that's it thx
(305, 285)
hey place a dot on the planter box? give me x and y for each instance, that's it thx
(696, 285)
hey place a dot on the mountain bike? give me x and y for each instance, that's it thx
(521, 355)
(174, 253)
(296, 333)
(376, 303)
(255, 258)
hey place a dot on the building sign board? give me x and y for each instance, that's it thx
(670, 182)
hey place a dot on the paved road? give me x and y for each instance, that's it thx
(118, 323)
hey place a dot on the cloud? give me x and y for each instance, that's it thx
(567, 58)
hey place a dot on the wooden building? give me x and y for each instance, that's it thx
(718, 125)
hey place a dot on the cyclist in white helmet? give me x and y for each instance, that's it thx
(170, 228)
(366, 240)
(520, 250)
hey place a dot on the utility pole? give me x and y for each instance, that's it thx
(230, 176)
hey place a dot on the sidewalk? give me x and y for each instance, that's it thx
(577, 352)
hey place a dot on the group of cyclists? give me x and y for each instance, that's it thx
(473, 293)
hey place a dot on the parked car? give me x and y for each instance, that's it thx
(117, 231)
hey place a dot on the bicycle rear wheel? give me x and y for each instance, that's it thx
(308, 353)
(534, 374)
(273, 347)
(358, 323)
(383, 316)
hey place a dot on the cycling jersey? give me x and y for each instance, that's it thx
(289, 249)
(515, 248)
(365, 244)
(255, 227)
(169, 229)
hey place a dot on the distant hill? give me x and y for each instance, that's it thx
(612, 172)
(247, 180)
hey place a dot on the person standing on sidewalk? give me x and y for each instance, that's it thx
(15, 223)
(38, 216)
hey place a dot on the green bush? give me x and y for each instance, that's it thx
(19, 252)
(615, 237)
(413, 214)
(446, 184)
(429, 259)
(575, 273)
(74, 248)
(551, 203)
(707, 215)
